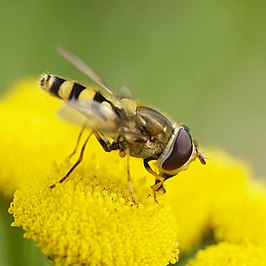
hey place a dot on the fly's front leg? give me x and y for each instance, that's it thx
(158, 185)
(76, 163)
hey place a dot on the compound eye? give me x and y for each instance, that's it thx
(181, 152)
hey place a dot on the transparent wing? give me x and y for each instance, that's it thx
(85, 69)
(125, 92)
(73, 116)
(99, 117)
(93, 113)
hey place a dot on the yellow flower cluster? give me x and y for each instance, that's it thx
(89, 219)
(194, 194)
(221, 200)
(27, 145)
(235, 211)
(242, 219)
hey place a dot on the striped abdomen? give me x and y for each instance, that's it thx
(69, 90)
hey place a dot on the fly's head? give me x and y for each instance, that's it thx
(179, 153)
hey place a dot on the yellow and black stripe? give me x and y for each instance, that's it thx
(69, 90)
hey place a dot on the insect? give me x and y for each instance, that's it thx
(120, 122)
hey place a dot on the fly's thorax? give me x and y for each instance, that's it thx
(129, 106)
(178, 153)
(152, 129)
(155, 123)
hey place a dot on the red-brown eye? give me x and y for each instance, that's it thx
(181, 152)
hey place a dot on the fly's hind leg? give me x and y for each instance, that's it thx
(78, 141)
(104, 143)
(107, 146)
(76, 163)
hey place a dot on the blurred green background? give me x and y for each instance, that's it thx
(203, 62)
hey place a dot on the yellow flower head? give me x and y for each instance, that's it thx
(241, 219)
(28, 146)
(196, 192)
(89, 219)
(228, 254)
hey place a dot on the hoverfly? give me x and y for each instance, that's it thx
(133, 128)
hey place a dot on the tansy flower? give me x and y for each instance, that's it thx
(89, 219)
(196, 192)
(235, 212)
(28, 146)
(228, 254)
(241, 219)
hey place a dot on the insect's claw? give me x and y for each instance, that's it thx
(158, 188)
(52, 186)
(155, 197)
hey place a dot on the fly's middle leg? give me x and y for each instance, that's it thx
(107, 146)
(78, 141)
(129, 181)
